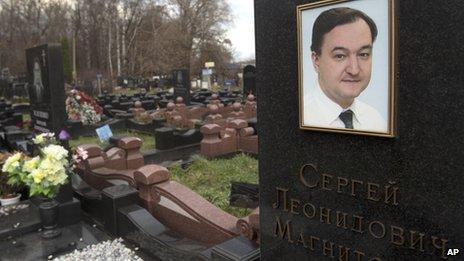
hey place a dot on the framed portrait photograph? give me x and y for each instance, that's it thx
(346, 59)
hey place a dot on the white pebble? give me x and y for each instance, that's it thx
(107, 250)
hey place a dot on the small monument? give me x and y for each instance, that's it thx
(181, 85)
(249, 80)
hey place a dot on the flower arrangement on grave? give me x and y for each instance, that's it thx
(81, 107)
(7, 190)
(45, 173)
(79, 156)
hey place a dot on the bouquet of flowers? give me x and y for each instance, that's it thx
(6, 190)
(43, 174)
(81, 107)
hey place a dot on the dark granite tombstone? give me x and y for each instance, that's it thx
(3, 87)
(46, 87)
(113, 198)
(19, 89)
(249, 80)
(149, 104)
(332, 196)
(181, 85)
(168, 138)
(47, 100)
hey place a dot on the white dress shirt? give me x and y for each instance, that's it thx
(320, 111)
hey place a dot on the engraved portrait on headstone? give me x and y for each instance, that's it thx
(37, 83)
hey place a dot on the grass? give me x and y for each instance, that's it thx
(148, 140)
(212, 179)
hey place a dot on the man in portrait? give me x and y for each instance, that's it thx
(341, 53)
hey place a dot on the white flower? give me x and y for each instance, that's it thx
(55, 152)
(40, 139)
(82, 153)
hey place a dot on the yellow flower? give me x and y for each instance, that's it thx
(12, 163)
(48, 165)
(31, 164)
(37, 175)
(58, 177)
(39, 139)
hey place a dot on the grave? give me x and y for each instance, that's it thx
(163, 217)
(47, 103)
(142, 120)
(249, 80)
(223, 137)
(339, 196)
(181, 84)
(46, 87)
(85, 115)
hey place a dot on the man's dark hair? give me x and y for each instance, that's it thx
(331, 18)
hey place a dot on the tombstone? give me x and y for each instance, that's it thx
(46, 87)
(181, 84)
(19, 89)
(47, 102)
(5, 74)
(249, 80)
(99, 83)
(88, 87)
(120, 81)
(338, 196)
(3, 87)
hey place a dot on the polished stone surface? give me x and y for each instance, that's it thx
(238, 248)
(425, 160)
(48, 106)
(31, 246)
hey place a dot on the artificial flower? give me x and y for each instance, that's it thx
(45, 173)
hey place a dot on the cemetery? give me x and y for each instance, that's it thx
(115, 191)
(146, 139)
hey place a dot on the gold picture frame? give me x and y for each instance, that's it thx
(370, 104)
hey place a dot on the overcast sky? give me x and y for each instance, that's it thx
(242, 31)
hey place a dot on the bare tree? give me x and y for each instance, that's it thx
(28, 23)
(118, 37)
(200, 21)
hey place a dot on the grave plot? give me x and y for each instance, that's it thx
(212, 179)
(148, 140)
(85, 115)
(171, 225)
(11, 114)
(173, 207)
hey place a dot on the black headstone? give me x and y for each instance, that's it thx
(46, 87)
(355, 197)
(114, 198)
(249, 79)
(181, 83)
